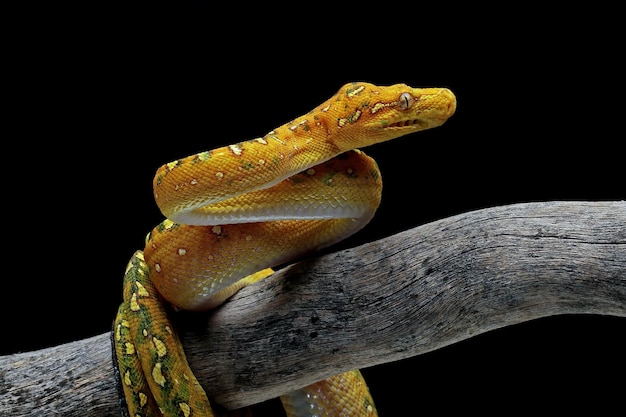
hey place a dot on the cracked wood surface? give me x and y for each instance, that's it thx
(392, 299)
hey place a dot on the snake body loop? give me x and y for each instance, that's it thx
(235, 212)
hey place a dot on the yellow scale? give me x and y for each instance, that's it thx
(234, 212)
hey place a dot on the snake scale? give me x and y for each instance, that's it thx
(235, 212)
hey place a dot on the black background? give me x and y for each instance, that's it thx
(103, 100)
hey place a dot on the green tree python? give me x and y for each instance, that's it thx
(235, 212)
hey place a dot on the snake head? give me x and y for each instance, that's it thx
(364, 110)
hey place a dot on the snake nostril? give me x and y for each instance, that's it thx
(451, 107)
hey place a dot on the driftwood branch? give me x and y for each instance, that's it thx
(399, 297)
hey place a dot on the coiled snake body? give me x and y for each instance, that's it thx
(235, 212)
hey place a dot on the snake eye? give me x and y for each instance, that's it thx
(405, 101)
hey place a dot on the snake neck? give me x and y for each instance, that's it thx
(358, 115)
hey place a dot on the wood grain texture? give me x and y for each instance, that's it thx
(388, 300)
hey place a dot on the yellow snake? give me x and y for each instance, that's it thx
(235, 212)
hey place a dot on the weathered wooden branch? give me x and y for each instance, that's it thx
(399, 297)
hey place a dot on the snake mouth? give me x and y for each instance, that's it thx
(406, 123)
